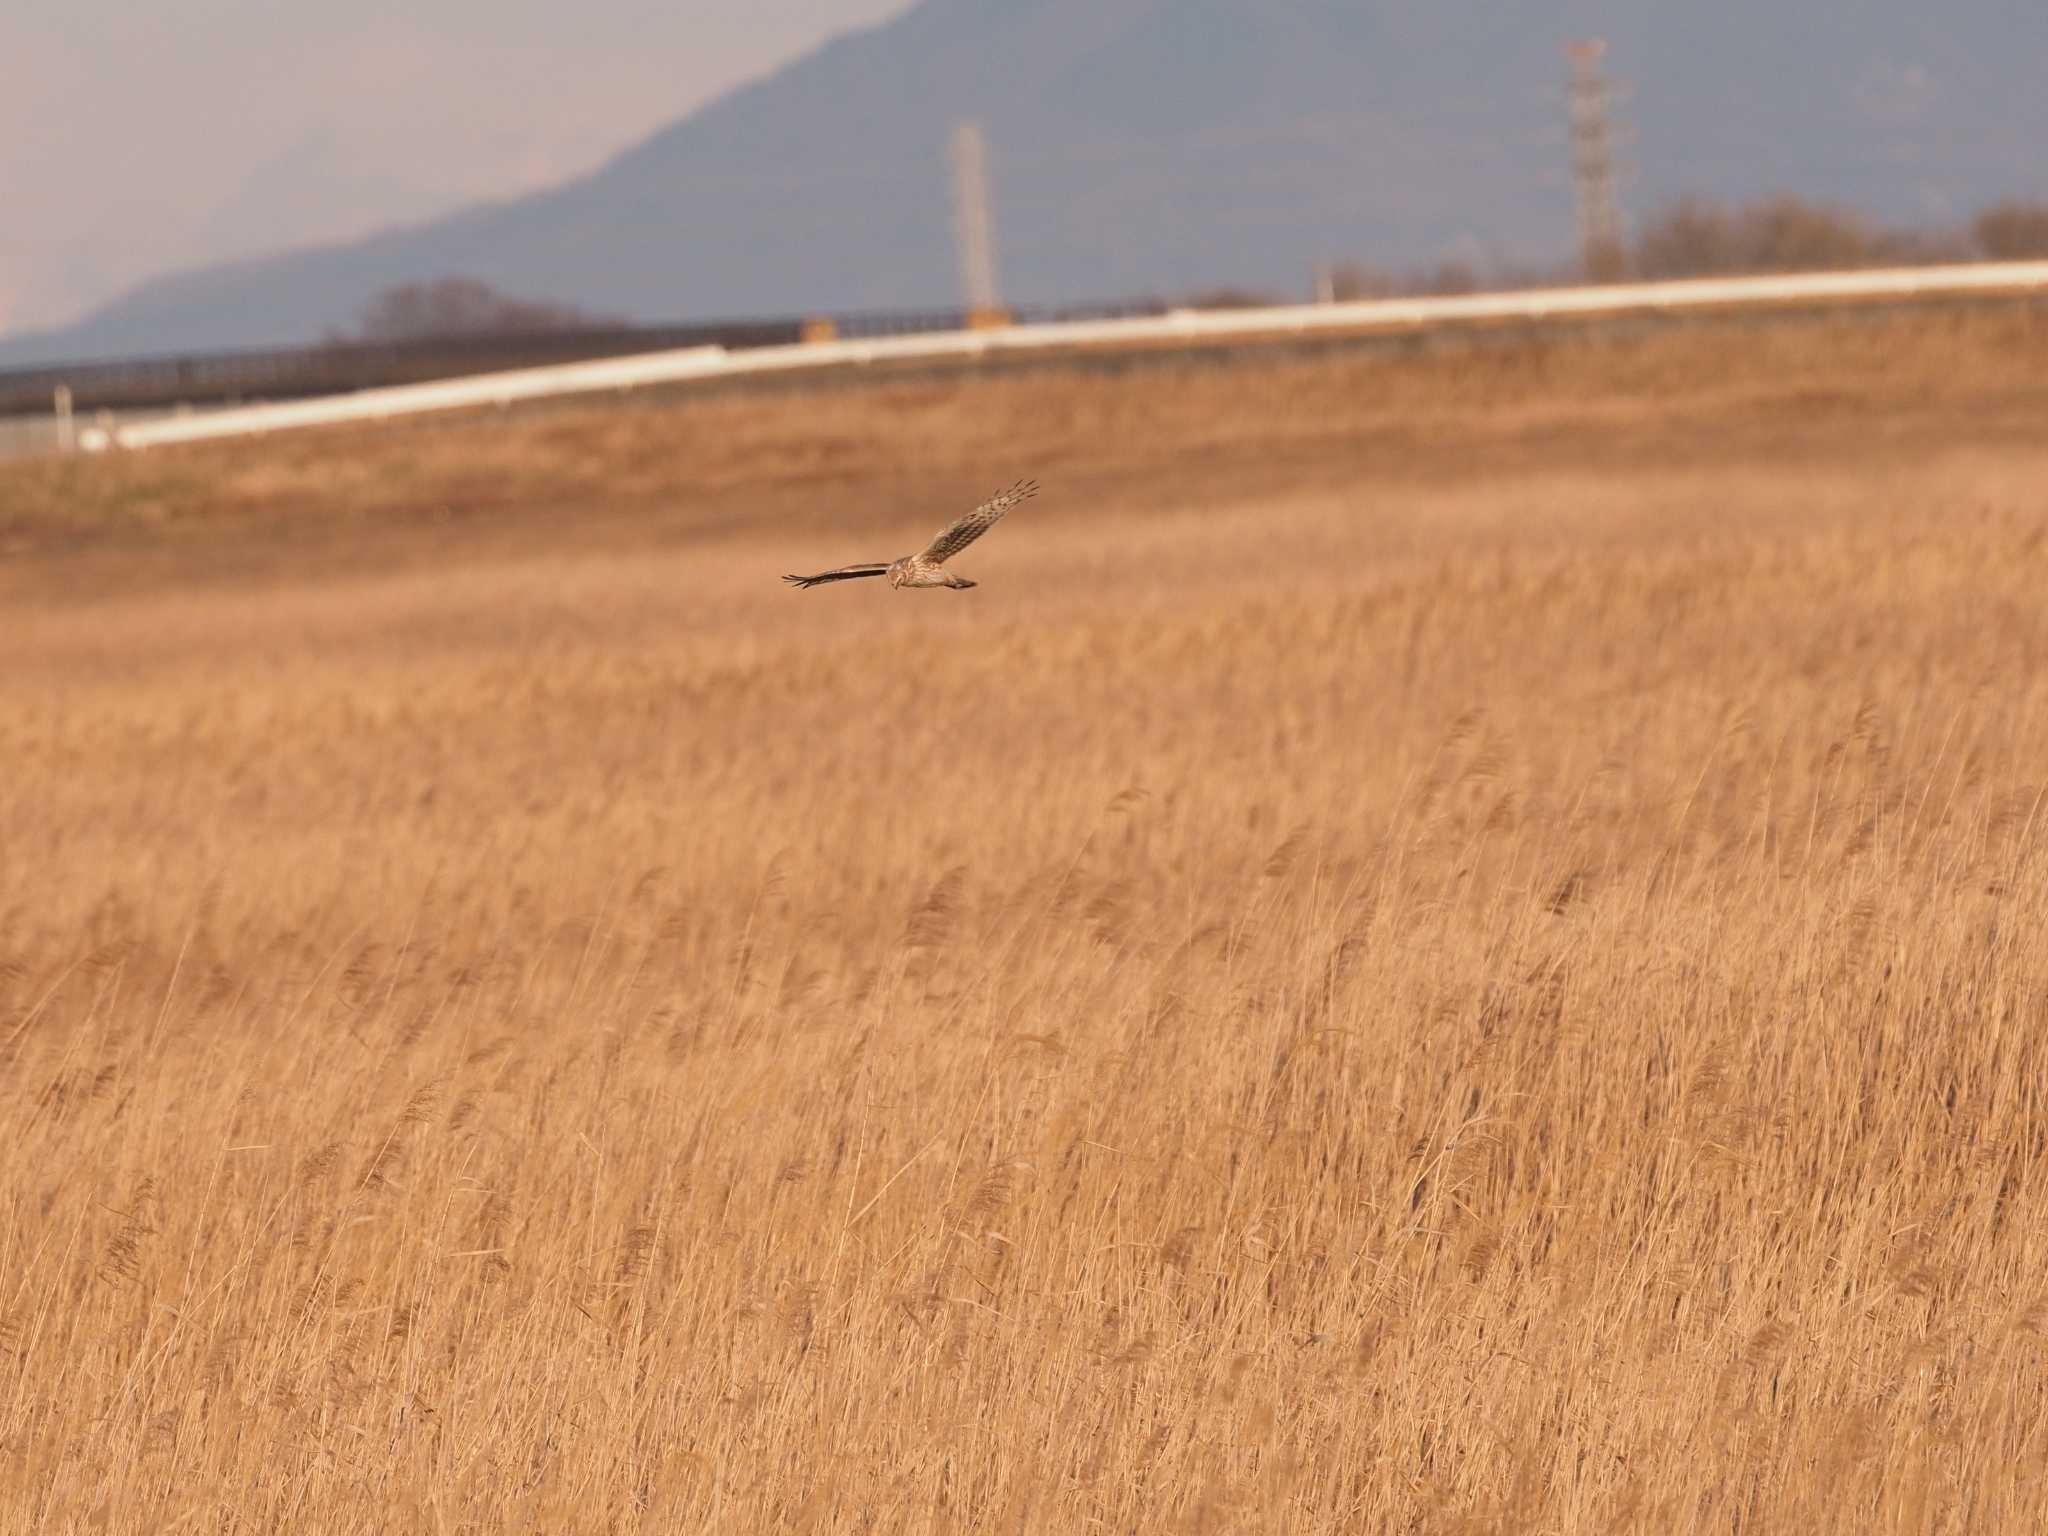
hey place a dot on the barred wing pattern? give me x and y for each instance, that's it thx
(844, 573)
(974, 524)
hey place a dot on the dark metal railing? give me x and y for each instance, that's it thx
(336, 367)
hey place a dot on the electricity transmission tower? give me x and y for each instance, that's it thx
(973, 229)
(1600, 247)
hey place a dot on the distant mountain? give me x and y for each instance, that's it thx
(1154, 146)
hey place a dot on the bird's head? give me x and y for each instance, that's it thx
(898, 569)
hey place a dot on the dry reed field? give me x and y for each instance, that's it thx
(1444, 944)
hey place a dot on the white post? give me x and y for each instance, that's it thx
(972, 226)
(67, 432)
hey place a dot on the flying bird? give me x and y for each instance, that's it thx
(924, 569)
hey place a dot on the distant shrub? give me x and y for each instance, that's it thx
(2012, 231)
(1780, 234)
(1228, 298)
(461, 306)
(1447, 278)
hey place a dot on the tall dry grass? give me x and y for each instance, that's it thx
(1497, 995)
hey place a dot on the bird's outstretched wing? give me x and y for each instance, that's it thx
(974, 524)
(844, 573)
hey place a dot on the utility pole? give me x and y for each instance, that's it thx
(973, 229)
(1600, 248)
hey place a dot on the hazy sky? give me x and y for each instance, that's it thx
(137, 135)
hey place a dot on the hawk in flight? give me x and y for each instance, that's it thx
(924, 569)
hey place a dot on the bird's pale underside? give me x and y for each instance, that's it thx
(926, 568)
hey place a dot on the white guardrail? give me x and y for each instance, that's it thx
(1178, 325)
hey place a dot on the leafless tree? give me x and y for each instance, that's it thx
(2012, 231)
(461, 306)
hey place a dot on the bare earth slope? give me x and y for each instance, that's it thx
(1440, 945)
